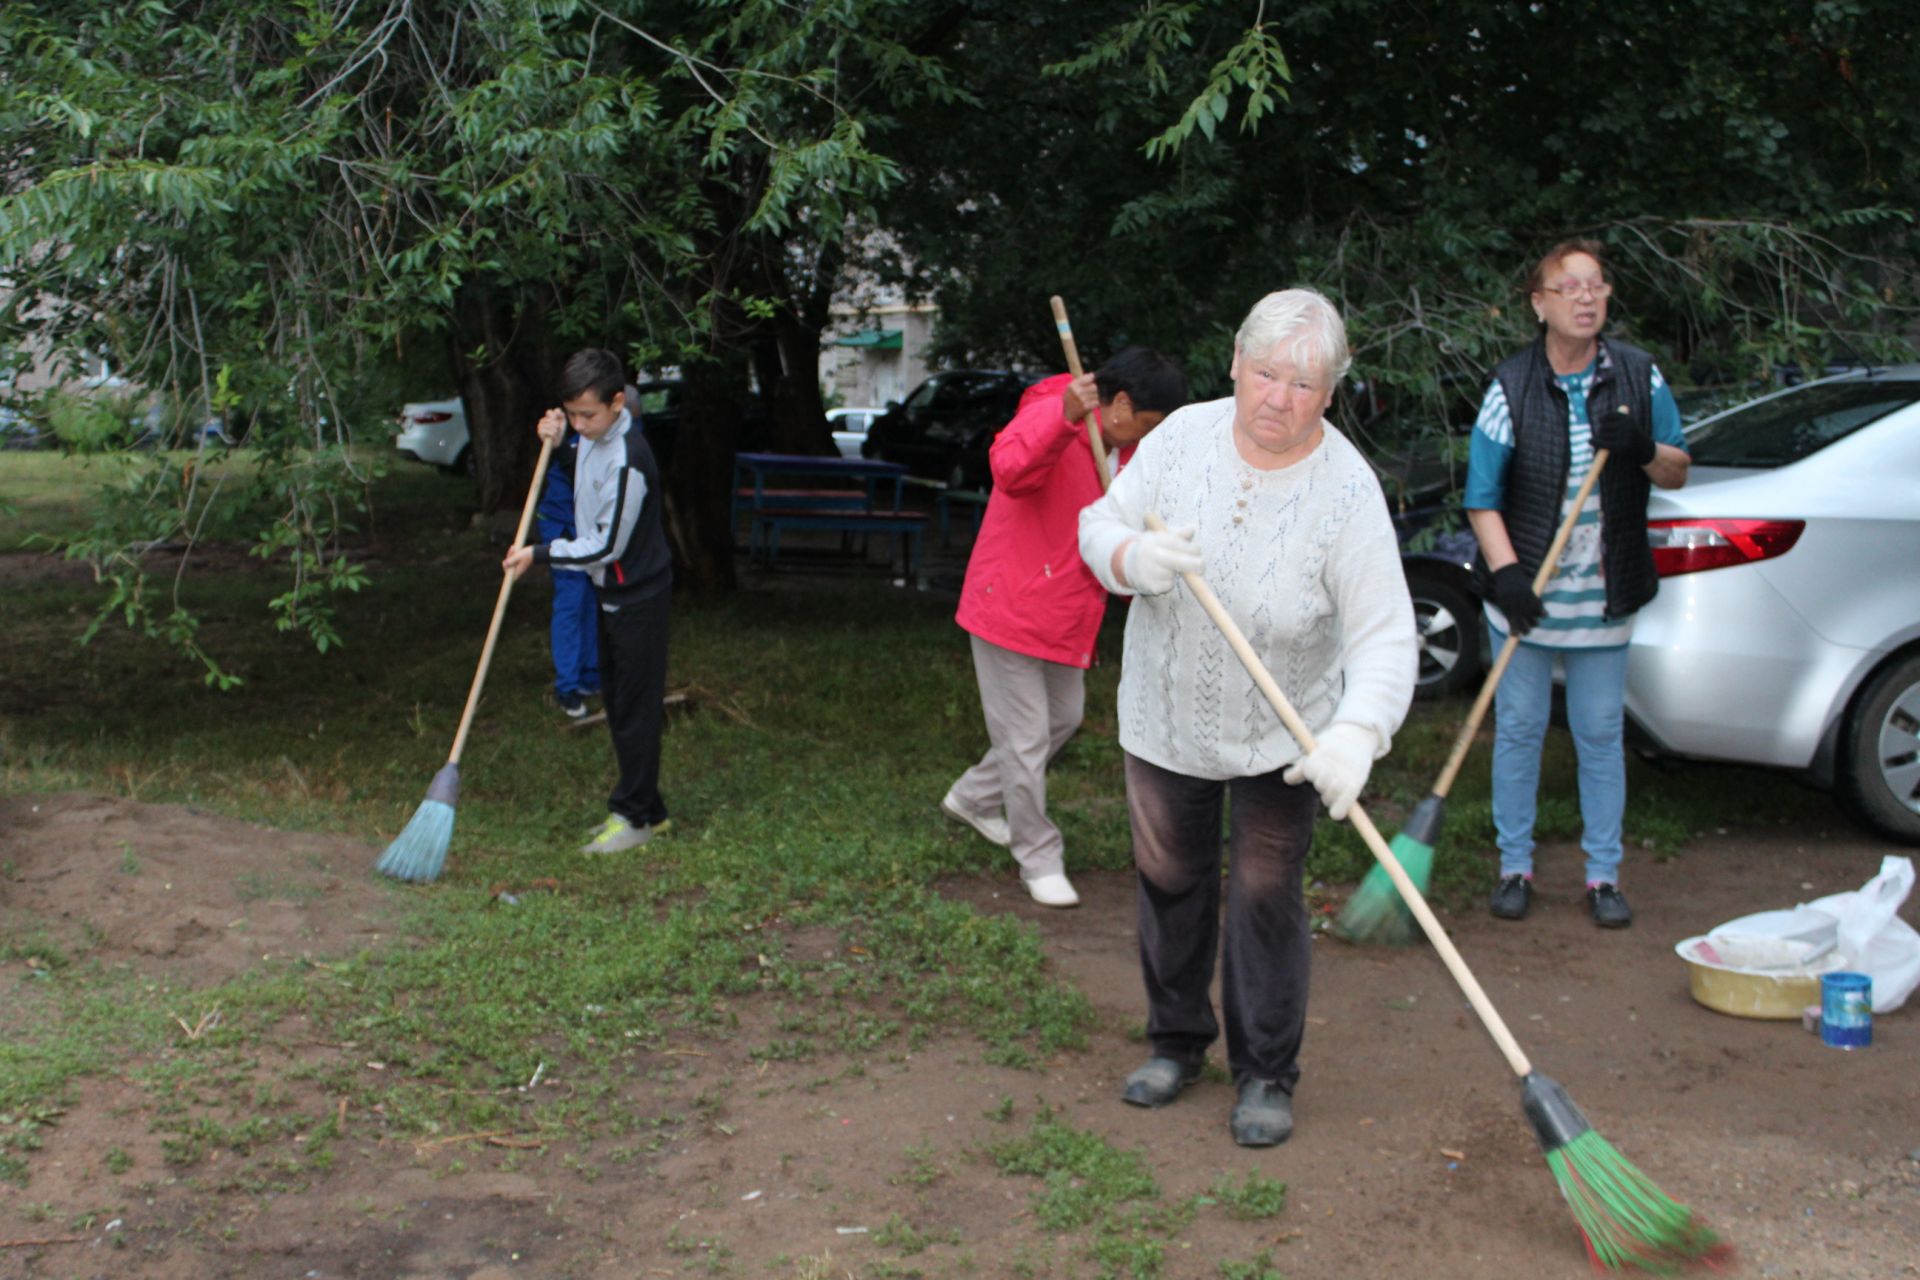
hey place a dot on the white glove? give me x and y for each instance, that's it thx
(1337, 767)
(1156, 559)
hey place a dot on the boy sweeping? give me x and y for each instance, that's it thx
(616, 511)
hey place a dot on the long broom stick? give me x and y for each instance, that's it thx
(1376, 913)
(1624, 1218)
(418, 852)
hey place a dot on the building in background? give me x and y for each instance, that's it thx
(874, 354)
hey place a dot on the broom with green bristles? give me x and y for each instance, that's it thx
(1376, 912)
(1624, 1219)
(418, 852)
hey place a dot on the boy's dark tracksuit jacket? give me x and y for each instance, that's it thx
(619, 539)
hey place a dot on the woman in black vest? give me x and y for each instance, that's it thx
(1547, 410)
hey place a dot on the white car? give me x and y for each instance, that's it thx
(1787, 628)
(850, 428)
(435, 432)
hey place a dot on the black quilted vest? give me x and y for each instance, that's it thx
(1537, 475)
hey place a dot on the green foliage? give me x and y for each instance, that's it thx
(1255, 1196)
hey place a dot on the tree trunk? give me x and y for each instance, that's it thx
(699, 511)
(504, 361)
(787, 362)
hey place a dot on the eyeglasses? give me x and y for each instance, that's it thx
(1580, 288)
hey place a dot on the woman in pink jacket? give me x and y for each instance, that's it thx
(1031, 605)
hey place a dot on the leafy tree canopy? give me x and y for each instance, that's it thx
(289, 214)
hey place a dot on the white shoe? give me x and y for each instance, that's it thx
(992, 826)
(1053, 891)
(617, 835)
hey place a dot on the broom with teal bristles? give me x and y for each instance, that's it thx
(418, 852)
(1377, 912)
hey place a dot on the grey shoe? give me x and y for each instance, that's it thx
(1263, 1117)
(1609, 906)
(1511, 897)
(617, 835)
(1159, 1081)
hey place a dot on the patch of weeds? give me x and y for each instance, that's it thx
(796, 1050)
(924, 1167)
(1259, 1267)
(129, 864)
(1258, 1196)
(1083, 1175)
(898, 1233)
(1002, 1111)
(117, 1160)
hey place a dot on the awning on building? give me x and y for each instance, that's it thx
(872, 340)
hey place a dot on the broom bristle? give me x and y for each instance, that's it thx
(417, 853)
(1375, 913)
(1625, 1219)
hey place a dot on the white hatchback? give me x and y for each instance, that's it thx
(1787, 628)
(850, 428)
(435, 432)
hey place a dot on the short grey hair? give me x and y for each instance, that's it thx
(1303, 321)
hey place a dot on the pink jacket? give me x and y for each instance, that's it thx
(1027, 589)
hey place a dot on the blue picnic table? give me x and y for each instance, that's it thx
(843, 509)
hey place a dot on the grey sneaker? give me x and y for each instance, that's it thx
(1511, 897)
(993, 826)
(617, 835)
(1159, 1081)
(1263, 1117)
(1609, 906)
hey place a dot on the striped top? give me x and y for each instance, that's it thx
(1576, 595)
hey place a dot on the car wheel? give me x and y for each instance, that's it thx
(1447, 626)
(1879, 775)
(463, 465)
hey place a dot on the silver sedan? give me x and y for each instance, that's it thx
(1787, 628)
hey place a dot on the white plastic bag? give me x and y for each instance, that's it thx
(1873, 939)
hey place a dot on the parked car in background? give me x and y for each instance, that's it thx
(850, 428)
(1787, 628)
(435, 432)
(18, 431)
(941, 431)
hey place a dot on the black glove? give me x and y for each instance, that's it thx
(1513, 592)
(1621, 436)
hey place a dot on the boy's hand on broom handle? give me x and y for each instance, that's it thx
(551, 428)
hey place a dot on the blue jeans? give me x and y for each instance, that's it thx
(575, 633)
(1596, 700)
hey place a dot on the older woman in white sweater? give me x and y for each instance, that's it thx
(1288, 525)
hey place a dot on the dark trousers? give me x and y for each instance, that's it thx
(1263, 978)
(633, 675)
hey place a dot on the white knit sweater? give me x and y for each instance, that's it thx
(1304, 559)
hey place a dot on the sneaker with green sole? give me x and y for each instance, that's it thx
(617, 835)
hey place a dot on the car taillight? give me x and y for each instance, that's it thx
(425, 418)
(1691, 546)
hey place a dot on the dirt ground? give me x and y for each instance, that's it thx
(1410, 1156)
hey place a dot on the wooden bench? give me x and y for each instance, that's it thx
(972, 499)
(908, 526)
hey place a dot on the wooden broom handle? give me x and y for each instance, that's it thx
(1463, 741)
(1074, 367)
(500, 606)
(1264, 681)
